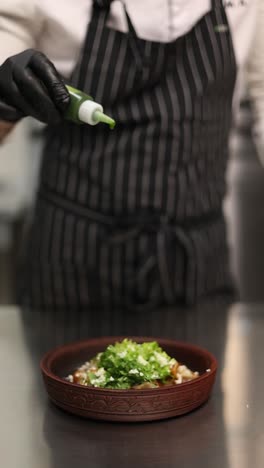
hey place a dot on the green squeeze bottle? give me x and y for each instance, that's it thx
(83, 109)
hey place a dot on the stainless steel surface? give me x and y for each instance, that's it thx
(228, 432)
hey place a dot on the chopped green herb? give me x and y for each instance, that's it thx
(128, 364)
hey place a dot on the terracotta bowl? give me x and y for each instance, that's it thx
(127, 405)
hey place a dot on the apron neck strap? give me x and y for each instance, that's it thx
(102, 3)
(104, 7)
(101, 11)
(216, 4)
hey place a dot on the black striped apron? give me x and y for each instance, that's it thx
(133, 217)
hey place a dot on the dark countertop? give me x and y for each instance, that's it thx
(228, 432)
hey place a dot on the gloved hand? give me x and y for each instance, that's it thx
(31, 86)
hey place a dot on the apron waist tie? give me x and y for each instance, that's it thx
(121, 230)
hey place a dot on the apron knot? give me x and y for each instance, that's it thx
(158, 262)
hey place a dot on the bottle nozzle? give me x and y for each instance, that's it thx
(99, 116)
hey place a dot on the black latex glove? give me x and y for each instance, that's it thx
(31, 86)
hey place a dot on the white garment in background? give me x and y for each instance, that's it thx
(57, 27)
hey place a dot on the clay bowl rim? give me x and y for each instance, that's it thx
(54, 353)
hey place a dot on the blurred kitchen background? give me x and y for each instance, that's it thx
(20, 159)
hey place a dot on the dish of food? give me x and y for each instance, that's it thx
(131, 365)
(130, 397)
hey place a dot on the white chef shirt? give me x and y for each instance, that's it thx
(57, 28)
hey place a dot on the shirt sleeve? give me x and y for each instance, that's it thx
(255, 80)
(21, 23)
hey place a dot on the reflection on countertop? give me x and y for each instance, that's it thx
(243, 386)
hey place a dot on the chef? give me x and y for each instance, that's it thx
(133, 217)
